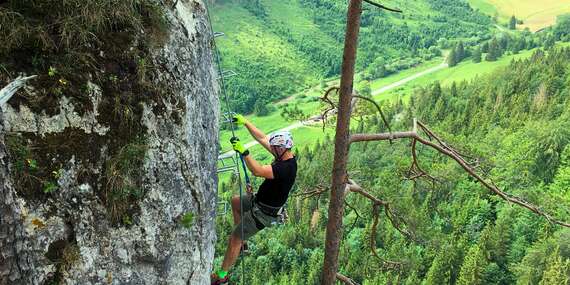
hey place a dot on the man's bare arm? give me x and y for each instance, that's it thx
(265, 171)
(258, 135)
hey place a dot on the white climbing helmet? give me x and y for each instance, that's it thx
(282, 139)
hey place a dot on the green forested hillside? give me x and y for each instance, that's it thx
(279, 47)
(516, 121)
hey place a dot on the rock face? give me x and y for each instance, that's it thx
(68, 236)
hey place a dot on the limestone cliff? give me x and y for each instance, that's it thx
(106, 181)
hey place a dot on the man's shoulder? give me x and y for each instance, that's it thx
(285, 167)
(289, 162)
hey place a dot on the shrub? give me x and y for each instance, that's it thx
(72, 24)
(124, 178)
(262, 109)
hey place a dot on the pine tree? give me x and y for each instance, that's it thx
(494, 51)
(502, 237)
(513, 23)
(473, 267)
(517, 45)
(452, 58)
(485, 47)
(477, 55)
(460, 51)
(412, 279)
(436, 91)
(549, 43)
(485, 242)
(493, 274)
(556, 270)
(439, 110)
(453, 90)
(439, 271)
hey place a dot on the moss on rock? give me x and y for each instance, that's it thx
(70, 44)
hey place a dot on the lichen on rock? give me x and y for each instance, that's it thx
(104, 157)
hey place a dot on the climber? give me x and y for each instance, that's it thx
(263, 208)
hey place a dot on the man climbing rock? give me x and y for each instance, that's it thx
(263, 208)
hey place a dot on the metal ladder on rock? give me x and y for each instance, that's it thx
(228, 162)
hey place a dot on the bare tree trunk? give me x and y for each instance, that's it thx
(339, 179)
(15, 262)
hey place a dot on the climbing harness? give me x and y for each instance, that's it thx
(280, 213)
(228, 116)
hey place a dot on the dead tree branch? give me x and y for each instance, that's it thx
(394, 219)
(332, 106)
(449, 151)
(381, 136)
(345, 280)
(387, 264)
(415, 170)
(382, 6)
(377, 204)
(358, 216)
(312, 193)
(377, 108)
(9, 90)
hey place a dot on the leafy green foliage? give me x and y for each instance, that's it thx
(187, 220)
(557, 271)
(49, 187)
(262, 109)
(562, 27)
(30, 175)
(281, 47)
(293, 113)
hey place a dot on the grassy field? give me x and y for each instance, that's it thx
(535, 14)
(379, 83)
(466, 70)
(484, 6)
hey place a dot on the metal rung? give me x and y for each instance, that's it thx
(227, 74)
(225, 206)
(218, 34)
(227, 156)
(227, 169)
(228, 163)
(227, 117)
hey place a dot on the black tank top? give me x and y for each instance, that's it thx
(274, 192)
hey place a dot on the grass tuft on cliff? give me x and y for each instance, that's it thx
(78, 48)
